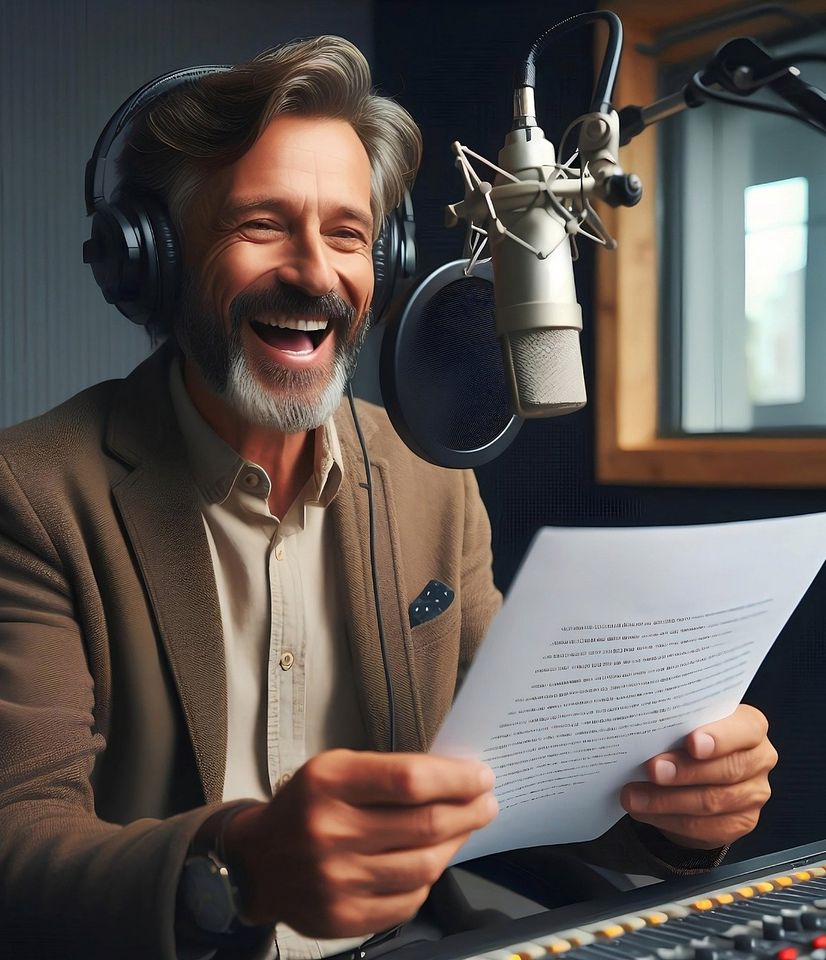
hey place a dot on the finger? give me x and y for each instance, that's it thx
(645, 801)
(742, 730)
(400, 828)
(680, 769)
(401, 871)
(364, 778)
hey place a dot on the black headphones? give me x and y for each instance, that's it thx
(134, 251)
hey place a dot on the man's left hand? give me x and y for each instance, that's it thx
(711, 793)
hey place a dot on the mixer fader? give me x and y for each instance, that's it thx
(771, 908)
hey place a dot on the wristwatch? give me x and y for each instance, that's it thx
(208, 891)
(209, 894)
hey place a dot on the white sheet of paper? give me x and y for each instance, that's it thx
(613, 645)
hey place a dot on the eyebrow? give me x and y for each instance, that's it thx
(278, 206)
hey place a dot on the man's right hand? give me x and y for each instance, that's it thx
(353, 842)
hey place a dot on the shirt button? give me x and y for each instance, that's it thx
(284, 778)
(287, 660)
(252, 480)
(279, 552)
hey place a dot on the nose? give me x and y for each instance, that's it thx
(307, 265)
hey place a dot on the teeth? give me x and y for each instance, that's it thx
(294, 323)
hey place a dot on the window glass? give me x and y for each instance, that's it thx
(743, 259)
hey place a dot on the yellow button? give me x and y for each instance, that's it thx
(630, 924)
(287, 660)
(803, 875)
(724, 898)
(702, 904)
(783, 881)
(611, 932)
(762, 886)
(551, 941)
(745, 892)
(655, 918)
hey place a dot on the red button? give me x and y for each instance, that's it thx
(819, 942)
(787, 953)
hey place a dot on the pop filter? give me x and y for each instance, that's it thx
(441, 371)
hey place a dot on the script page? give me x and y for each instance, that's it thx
(612, 646)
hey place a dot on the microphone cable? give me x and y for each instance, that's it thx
(601, 97)
(368, 486)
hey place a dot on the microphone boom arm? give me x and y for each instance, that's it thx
(740, 67)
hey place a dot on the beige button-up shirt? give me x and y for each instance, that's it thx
(290, 685)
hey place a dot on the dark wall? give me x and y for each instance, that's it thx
(450, 64)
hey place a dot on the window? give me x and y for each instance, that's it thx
(745, 343)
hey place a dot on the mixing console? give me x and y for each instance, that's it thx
(771, 908)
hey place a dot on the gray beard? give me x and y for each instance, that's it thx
(304, 399)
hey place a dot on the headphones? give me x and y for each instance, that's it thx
(134, 251)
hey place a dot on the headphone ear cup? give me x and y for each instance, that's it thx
(394, 256)
(385, 257)
(134, 255)
(113, 251)
(164, 241)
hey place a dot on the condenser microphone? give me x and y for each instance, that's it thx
(538, 319)
(529, 217)
(483, 342)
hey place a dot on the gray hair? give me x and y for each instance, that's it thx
(211, 122)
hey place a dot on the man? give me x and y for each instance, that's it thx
(186, 613)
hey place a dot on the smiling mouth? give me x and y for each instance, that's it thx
(297, 335)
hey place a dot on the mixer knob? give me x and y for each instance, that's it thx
(772, 928)
(746, 942)
(790, 919)
(810, 920)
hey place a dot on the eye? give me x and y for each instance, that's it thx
(351, 234)
(261, 229)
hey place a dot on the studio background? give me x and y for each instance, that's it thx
(67, 65)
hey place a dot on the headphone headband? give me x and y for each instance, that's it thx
(96, 166)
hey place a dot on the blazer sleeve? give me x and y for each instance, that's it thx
(71, 885)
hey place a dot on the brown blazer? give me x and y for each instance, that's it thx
(112, 685)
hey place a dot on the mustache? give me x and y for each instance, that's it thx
(286, 299)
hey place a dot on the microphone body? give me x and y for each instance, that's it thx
(538, 319)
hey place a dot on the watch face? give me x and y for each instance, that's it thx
(208, 894)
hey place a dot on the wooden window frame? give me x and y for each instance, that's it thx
(628, 448)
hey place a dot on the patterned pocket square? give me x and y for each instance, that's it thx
(433, 600)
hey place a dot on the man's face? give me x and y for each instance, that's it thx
(279, 273)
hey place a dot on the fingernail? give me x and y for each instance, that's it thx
(703, 745)
(486, 778)
(665, 771)
(637, 800)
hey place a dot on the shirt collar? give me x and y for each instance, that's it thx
(216, 466)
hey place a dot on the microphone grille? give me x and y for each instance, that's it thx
(547, 371)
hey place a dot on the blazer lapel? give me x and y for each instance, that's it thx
(158, 504)
(349, 514)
